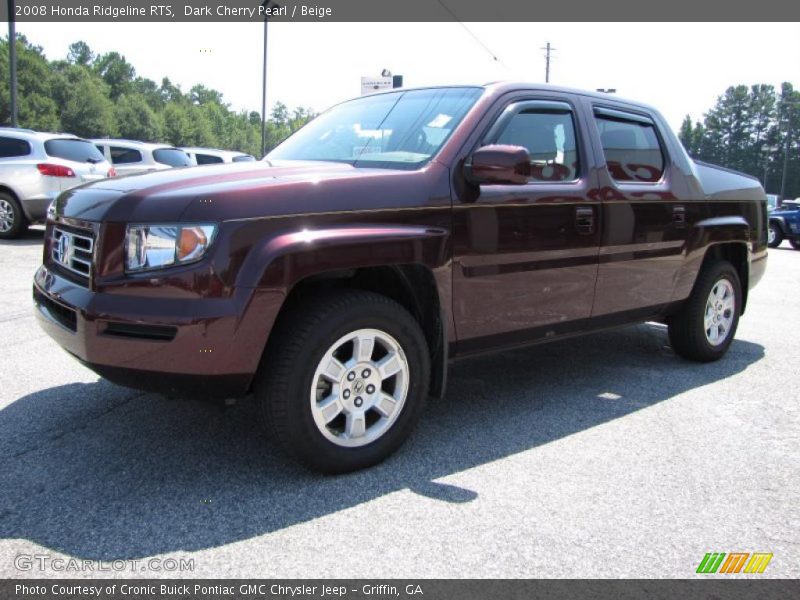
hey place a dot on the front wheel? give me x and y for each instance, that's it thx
(703, 329)
(774, 236)
(344, 380)
(795, 242)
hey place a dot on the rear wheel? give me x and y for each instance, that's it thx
(704, 328)
(344, 380)
(795, 243)
(12, 220)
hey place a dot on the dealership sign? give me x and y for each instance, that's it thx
(370, 85)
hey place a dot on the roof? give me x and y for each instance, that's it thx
(39, 135)
(502, 87)
(200, 150)
(136, 143)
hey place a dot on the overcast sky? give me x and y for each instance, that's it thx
(680, 68)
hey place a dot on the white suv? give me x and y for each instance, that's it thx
(35, 168)
(130, 157)
(210, 156)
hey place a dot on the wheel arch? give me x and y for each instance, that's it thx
(719, 238)
(407, 264)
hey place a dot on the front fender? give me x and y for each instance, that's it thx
(283, 259)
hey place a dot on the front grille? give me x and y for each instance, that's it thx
(73, 251)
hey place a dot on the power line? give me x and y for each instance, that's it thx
(469, 31)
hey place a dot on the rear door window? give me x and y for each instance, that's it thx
(244, 158)
(124, 156)
(80, 151)
(632, 149)
(172, 157)
(12, 147)
(207, 159)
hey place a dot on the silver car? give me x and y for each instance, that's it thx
(35, 168)
(130, 157)
(210, 156)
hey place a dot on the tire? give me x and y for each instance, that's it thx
(292, 387)
(13, 222)
(688, 334)
(795, 243)
(774, 236)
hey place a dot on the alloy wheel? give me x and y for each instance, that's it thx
(359, 387)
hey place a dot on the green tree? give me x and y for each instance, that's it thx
(80, 54)
(116, 72)
(136, 120)
(86, 109)
(35, 106)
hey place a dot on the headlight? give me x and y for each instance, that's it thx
(157, 246)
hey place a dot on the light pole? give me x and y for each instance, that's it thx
(268, 5)
(12, 60)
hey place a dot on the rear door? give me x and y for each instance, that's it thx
(525, 256)
(127, 161)
(646, 211)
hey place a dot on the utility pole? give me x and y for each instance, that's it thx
(12, 60)
(548, 49)
(785, 167)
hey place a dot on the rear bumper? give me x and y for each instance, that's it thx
(185, 347)
(35, 209)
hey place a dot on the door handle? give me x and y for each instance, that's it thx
(679, 215)
(584, 220)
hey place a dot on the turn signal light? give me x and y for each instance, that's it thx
(112, 172)
(55, 170)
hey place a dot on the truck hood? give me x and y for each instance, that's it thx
(235, 191)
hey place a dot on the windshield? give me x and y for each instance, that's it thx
(400, 130)
(71, 149)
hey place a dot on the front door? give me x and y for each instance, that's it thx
(526, 256)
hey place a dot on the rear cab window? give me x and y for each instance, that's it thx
(244, 158)
(13, 147)
(632, 148)
(172, 157)
(80, 151)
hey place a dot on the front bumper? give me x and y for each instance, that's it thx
(208, 347)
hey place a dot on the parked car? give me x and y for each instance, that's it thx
(211, 156)
(784, 223)
(35, 167)
(394, 233)
(130, 157)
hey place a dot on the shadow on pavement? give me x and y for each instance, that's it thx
(101, 472)
(34, 236)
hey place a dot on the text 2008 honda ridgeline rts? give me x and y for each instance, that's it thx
(396, 232)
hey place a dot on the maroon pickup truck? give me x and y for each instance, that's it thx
(396, 232)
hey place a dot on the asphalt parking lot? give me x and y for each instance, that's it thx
(605, 456)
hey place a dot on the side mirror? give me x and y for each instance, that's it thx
(498, 164)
